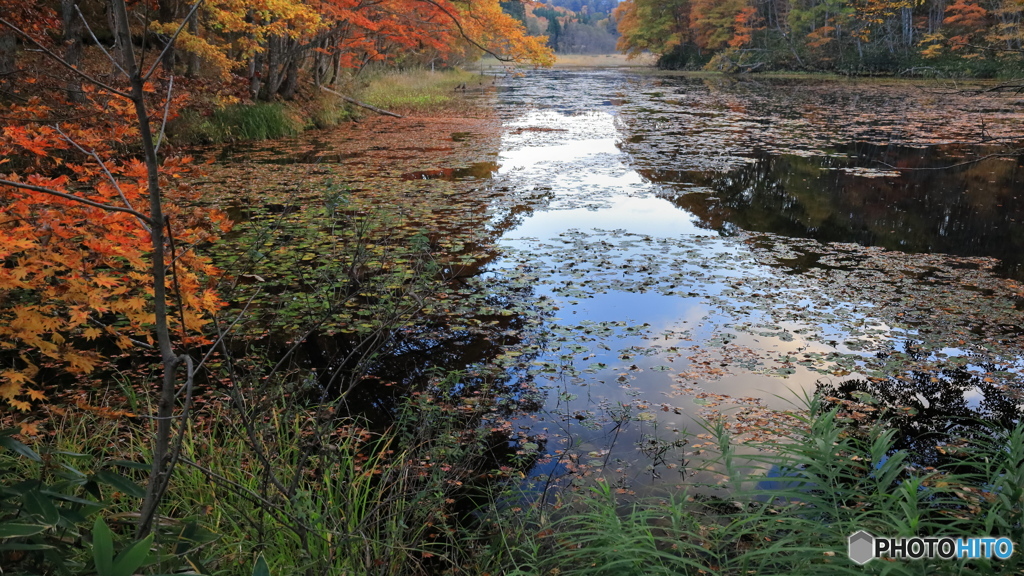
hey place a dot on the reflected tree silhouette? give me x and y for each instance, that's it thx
(931, 408)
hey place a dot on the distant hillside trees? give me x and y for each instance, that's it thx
(966, 37)
(575, 26)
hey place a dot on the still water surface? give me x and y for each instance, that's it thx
(630, 253)
(724, 246)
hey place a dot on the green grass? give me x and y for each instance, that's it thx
(417, 90)
(311, 493)
(256, 121)
(835, 480)
(414, 91)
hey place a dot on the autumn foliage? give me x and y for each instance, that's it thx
(74, 273)
(75, 241)
(271, 42)
(854, 35)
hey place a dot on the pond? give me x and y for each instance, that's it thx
(724, 246)
(631, 253)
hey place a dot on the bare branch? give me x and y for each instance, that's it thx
(223, 334)
(362, 104)
(64, 62)
(462, 32)
(98, 43)
(170, 42)
(174, 279)
(133, 340)
(957, 165)
(74, 198)
(167, 109)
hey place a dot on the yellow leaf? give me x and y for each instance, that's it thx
(80, 362)
(8, 390)
(15, 377)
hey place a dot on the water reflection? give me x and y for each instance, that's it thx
(931, 409)
(969, 210)
(634, 253)
(667, 306)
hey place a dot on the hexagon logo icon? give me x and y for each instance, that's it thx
(861, 547)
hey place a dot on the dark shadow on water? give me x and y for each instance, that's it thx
(931, 408)
(856, 196)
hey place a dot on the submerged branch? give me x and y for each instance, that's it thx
(957, 165)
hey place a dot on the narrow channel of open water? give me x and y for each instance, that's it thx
(722, 247)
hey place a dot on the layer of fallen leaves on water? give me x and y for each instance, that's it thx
(761, 304)
(313, 235)
(711, 124)
(877, 312)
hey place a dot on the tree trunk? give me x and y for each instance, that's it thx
(167, 11)
(162, 464)
(192, 67)
(290, 84)
(255, 75)
(907, 15)
(73, 29)
(272, 80)
(335, 67)
(8, 50)
(322, 62)
(122, 42)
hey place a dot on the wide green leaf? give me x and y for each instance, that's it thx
(15, 446)
(144, 466)
(102, 547)
(18, 529)
(129, 560)
(119, 482)
(261, 568)
(25, 546)
(39, 505)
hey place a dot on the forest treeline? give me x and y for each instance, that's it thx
(268, 43)
(570, 26)
(930, 37)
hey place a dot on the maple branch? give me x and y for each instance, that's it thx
(130, 339)
(462, 32)
(170, 42)
(174, 279)
(74, 198)
(106, 171)
(97, 42)
(64, 62)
